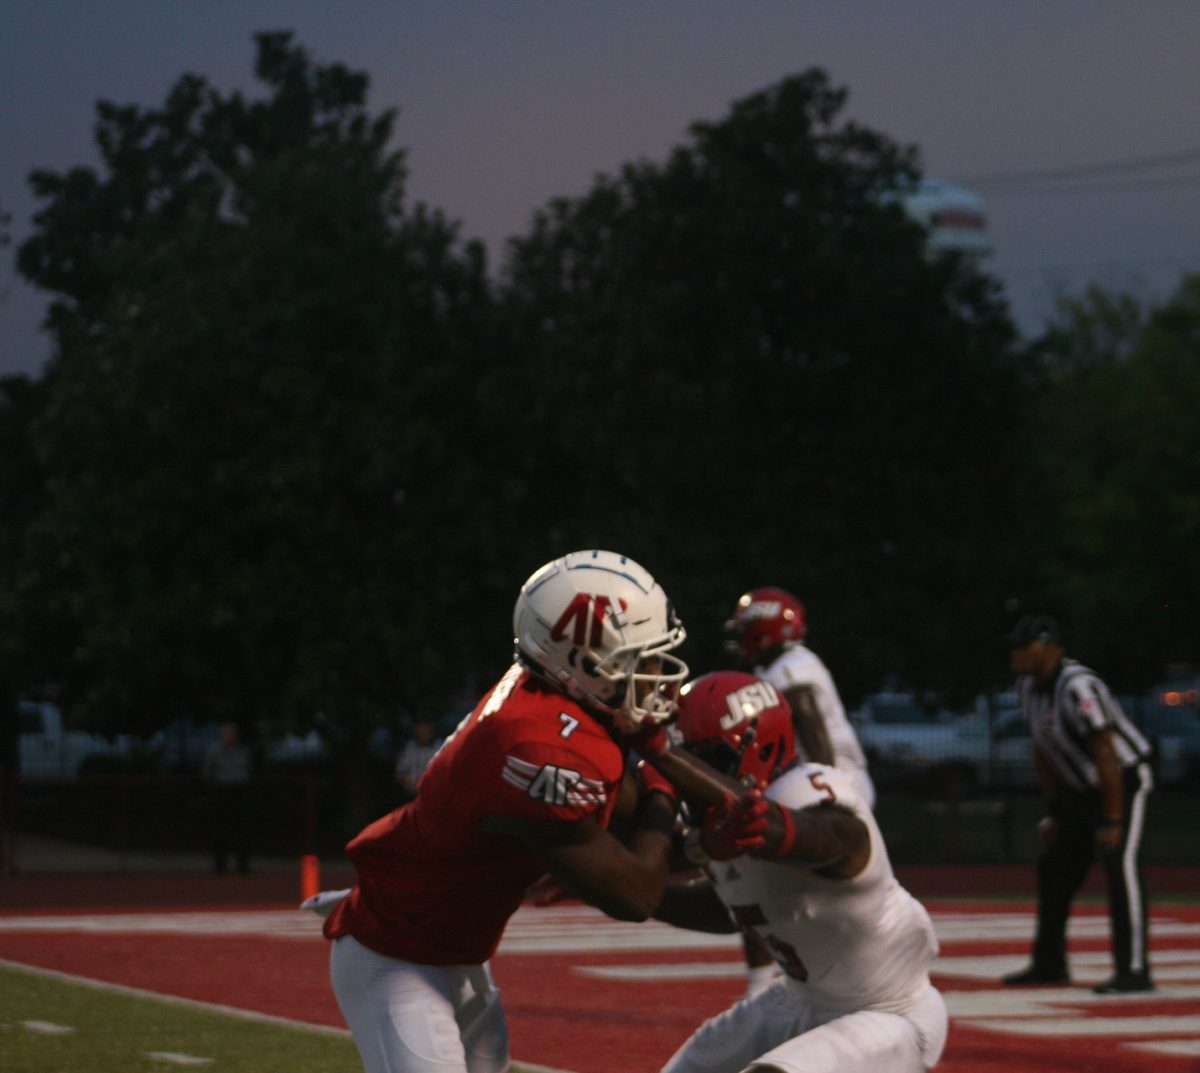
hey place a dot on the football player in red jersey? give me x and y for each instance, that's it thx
(527, 785)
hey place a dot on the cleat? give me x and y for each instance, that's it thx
(1124, 982)
(1036, 975)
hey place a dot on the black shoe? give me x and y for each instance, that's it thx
(1123, 982)
(1036, 975)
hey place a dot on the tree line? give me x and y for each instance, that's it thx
(297, 446)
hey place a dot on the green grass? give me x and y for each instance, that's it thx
(117, 1032)
(113, 1032)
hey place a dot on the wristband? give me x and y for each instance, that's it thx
(789, 835)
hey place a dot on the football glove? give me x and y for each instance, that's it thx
(735, 827)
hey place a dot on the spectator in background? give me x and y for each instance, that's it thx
(227, 771)
(415, 756)
(1094, 769)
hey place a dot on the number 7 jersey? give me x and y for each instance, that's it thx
(434, 887)
(846, 943)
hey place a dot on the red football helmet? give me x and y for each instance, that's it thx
(738, 724)
(764, 619)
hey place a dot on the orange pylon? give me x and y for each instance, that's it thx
(310, 876)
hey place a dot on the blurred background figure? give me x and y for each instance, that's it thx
(415, 756)
(766, 637)
(227, 771)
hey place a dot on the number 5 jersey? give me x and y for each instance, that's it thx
(846, 943)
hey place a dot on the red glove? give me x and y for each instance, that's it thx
(735, 827)
(650, 740)
(652, 780)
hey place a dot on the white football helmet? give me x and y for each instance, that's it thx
(597, 626)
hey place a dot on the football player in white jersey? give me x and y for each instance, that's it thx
(855, 947)
(766, 635)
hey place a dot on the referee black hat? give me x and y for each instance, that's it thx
(1035, 628)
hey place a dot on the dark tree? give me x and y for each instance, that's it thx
(1119, 470)
(250, 439)
(742, 364)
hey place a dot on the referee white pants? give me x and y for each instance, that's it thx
(778, 1028)
(409, 1018)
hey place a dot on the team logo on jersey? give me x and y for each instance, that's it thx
(553, 784)
(584, 609)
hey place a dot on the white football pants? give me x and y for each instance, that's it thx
(408, 1018)
(777, 1028)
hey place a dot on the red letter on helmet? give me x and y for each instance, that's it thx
(575, 615)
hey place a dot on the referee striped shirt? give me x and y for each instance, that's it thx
(1064, 718)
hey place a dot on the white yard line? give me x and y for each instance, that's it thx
(173, 1000)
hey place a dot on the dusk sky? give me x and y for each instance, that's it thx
(505, 104)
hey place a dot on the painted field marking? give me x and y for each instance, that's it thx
(47, 1028)
(552, 930)
(178, 1059)
(215, 1007)
(282, 923)
(1184, 1048)
(1096, 965)
(687, 970)
(1050, 1001)
(971, 927)
(555, 929)
(172, 1000)
(579, 930)
(1152, 1025)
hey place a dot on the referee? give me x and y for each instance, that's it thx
(1094, 769)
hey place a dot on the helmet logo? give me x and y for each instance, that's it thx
(762, 609)
(747, 702)
(585, 608)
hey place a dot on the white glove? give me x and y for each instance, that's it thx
(322, 904)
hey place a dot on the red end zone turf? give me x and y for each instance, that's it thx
(570, 1009)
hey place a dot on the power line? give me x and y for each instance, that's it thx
(1109, 167)
(1163, 183)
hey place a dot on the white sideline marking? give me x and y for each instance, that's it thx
(216, 1007)
(173, 1000)
(178, 1059)
(48, 1028)
(1091, 1026)
(553, 930)
(1049, 1001)
(688, 970)
(1185, 1048)
(279, 923)
(1096, 965)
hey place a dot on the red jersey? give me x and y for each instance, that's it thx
(432, 886)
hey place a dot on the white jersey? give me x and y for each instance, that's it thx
(846, 944)
(797, 665)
